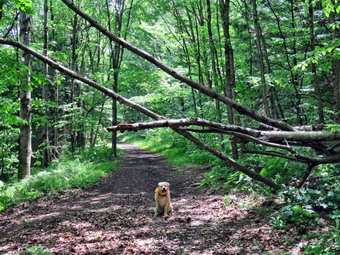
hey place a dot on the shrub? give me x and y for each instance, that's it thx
(77, 170)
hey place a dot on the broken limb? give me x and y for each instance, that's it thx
(142, 109)
(267, 138)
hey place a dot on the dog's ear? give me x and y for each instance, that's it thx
(168, 184)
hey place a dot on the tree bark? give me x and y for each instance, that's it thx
(55, 141)
(295, 61)
(261, 63)
(74, 91)
(304, 136)
(46, 153)
(216, 74)
(25, 151)
(230, 65)
(316, 85)
(117, 52)
(336, 74)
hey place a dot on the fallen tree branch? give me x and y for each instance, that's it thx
(245, 133)
(181, 123)
(142, 109)
(304, 136)
(83, 79)
(256, 136)
(230, 161)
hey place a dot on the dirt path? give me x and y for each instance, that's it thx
(116, 217)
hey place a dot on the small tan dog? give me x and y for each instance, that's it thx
(162, 197)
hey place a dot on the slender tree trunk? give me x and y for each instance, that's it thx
(260, 54)
(183, 30)
(25, 152)
(117, 52)
(194, 40)
(250, 37)
(46, 134)
(336, 74)
(214, 64)
(295, 82)
(74, 41)
(55, 140)
(230, 65)
(313, 65)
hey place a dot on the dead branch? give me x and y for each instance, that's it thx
(256, 136)
(174, 123)
(303, 136)
(262, 136)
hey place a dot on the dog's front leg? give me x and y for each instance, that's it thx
(166, 209)
(156, 210)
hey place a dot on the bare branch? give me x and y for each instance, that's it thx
(181, 123)
(304, 136)
(256, 136)
(262, 136)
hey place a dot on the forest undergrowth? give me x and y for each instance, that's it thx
(80, 169)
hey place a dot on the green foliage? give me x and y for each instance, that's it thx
(175, 148)
(77, 170)
(298, 215)
(326, 244)
(24, 5)
(281, 170)
(303, 206)
(36, 250)
(224, 177)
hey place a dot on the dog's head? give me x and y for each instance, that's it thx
(163, 186)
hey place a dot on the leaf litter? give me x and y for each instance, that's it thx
(115, 216)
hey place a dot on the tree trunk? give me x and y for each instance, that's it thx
(293, 52)
(336, 74)
(74, 42)
(117, 52)
(25, 152)
(230, 65)
(216, 75)
(260, 55)
(313, 65)
(55, 140)
(46, 153)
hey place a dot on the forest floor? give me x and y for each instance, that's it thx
(116, 217)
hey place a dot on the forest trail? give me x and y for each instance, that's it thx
(116, 217)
